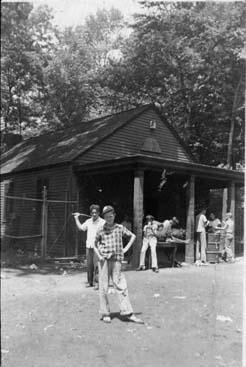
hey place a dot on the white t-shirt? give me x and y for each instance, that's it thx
(215, 223)
(149, 230)
(229, 226)
(167, 226)
(201, 222)
(92, 227)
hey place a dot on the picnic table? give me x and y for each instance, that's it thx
(170, 248)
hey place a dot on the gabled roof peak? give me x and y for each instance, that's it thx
(64, 145)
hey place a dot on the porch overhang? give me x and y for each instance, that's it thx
(156, 164)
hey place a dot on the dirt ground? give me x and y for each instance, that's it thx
(193, 318)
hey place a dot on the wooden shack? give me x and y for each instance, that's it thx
(133, 160)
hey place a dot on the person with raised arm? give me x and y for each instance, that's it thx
(91, 225)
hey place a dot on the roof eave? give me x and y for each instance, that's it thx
(150, 162)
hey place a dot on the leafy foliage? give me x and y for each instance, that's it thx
(182, 56)
(27, 38)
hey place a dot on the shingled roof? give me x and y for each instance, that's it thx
(64, 145)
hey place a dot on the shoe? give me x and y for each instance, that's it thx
(96, 287)
(135, 319)
(156, 270)
(88, 285)
(106, 319)
(140, 268)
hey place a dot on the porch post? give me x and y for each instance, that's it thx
(190, 221)
(224, 202)
(232, 210)
(137, 214)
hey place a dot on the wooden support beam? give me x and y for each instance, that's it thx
(232, 210)
(138, 198)
(224, 202)
(76, 228)
(66, 242)
(190, 220)
(44, 224)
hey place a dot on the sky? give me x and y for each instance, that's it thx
(73, 12)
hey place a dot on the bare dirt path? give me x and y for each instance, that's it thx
(193, 318)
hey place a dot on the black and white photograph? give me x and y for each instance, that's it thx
(122, 183)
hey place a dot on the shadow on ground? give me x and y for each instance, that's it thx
(23, 265)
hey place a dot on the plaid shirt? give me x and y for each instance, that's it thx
(109, 241)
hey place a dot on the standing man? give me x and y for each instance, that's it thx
(91, 226)
(110, 251)
(201, 242)
(228, 227)
(149, 239)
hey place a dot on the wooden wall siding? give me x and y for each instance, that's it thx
(130, 139)
(4, 204)
(25, 212)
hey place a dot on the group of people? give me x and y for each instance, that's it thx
(213, 225)
(108, 241)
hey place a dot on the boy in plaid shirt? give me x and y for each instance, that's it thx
(110, 251)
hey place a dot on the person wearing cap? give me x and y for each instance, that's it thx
(110, 251)
(228, 227)
(91, 225)
(149, 239)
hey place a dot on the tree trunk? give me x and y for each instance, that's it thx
(19, 116)
(232, 127)
(230, 146)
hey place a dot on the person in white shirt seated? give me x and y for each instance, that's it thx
(91, 226)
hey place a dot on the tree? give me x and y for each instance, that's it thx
(26, 42)
(73, 89)
(184, 56)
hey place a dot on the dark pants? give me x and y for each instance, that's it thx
(92, 267)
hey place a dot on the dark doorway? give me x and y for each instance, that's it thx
(167, 201)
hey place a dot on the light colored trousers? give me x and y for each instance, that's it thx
(201, 245)
(228, 247)
(107, 269)
(152, 242)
